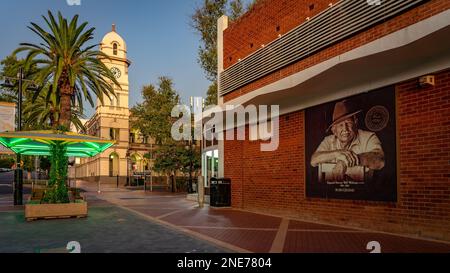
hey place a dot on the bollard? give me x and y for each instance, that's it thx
(145, 182)
(201, 192)
(151, 182)
(117, 181)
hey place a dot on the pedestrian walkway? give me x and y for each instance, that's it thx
(108, 229)
(243, 231)
(125, 221)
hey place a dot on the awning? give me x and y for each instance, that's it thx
(39, 143)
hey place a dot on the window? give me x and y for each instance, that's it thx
(132, 138)
(144, 140)
(115, 49)
(113, 164)
(115, 102)
(114, 134)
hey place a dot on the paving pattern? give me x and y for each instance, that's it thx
(125, 221)
(108, 229)
(243, 231)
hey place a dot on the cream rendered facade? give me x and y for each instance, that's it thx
(111, 119)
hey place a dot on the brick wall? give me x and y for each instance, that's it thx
(264, 23)
(273, 17)
(274, 182)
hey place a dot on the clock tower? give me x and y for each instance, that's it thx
(115, 47)
(111, 118)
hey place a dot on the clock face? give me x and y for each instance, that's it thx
(116, 72)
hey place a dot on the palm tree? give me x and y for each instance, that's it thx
(74, 70)
(43, 112)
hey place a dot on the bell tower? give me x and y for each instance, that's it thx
(112, 117)
(115, 47)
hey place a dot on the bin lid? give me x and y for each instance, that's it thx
(215, 180)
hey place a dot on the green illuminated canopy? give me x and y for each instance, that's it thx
(39, 143)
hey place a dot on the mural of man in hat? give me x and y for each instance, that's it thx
(353, 153)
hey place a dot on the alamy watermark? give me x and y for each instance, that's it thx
(228, 122)
(73, 2)
(374, 2)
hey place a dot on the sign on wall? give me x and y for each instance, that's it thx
(7, 121)
(351, 148)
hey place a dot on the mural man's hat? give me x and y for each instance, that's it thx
(342, 111)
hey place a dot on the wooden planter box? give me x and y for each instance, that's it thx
(55, 211)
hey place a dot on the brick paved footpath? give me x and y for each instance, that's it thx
(242, 231)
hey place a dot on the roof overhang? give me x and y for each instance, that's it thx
(414, 51)
(40, 143)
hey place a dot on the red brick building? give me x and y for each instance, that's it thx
(310, 55)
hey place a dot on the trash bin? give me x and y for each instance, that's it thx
(220, 195)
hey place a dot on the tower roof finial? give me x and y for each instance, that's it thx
(114, 27)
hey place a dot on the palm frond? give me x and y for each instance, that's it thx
(67, 66)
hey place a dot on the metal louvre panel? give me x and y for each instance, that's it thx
(344, 19)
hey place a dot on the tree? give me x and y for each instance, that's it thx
(204, 22)
(58, 192)
(153, 116)
(67, 66)
(190, 163)
(211, 95)
(252, 4)
(38, 113)
(175, 157)
(10, 70)
(167, 161)
(236, 9)
(67, 71)
(42, 113)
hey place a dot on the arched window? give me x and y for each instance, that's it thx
(146, 164)
(115, 49)
(113, 164)
(136, 161)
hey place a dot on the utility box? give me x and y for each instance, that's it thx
(220, 192)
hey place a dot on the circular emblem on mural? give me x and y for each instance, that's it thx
(377, 118)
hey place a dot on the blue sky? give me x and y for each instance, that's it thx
(159, 39)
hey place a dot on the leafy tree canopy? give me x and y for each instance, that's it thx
(152, 117)
(41, 109)
(204, 22)
(68, 67)
(9, 72)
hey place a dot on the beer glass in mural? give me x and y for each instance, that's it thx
(351, 148)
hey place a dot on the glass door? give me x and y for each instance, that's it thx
(210, 165)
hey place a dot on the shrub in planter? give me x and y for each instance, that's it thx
(55, 202)
(57, 192)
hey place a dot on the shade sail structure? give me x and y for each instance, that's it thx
(40, 142)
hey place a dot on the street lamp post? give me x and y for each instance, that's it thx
(18, 174)
(128, 167)
(191, 155)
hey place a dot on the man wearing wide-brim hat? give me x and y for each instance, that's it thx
(348, 147)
